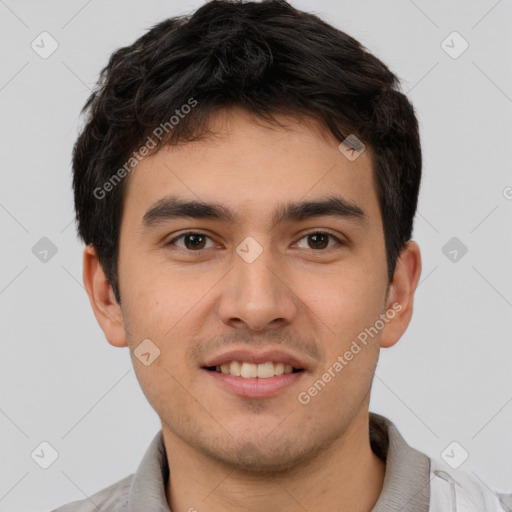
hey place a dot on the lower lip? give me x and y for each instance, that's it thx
(255, 387)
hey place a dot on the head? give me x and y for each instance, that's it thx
(233, 117)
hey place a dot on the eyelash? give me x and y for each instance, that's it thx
(171, 242)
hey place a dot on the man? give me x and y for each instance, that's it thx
(246, 185)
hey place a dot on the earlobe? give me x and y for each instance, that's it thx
(105, 307)
(400, 298)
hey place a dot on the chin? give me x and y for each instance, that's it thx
(267, 459)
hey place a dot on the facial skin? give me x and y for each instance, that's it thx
(307, 296)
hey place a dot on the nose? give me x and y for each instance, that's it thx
(257, 295)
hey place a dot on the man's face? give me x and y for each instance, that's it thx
(286, 292)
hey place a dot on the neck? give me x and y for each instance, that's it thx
(347, 476)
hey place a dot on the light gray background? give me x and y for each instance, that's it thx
(449, 378)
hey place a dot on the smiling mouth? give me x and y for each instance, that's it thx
(250, 370)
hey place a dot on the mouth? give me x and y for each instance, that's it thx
(255, 375)
(249, 370)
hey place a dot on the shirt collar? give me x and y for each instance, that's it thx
(406, 482)
(407, 479)
(147, 491)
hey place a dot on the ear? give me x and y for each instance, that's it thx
(104, 304)
(401, 294)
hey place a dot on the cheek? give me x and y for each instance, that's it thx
(156, 295)
(345, 300)
(156, 313)
(165, 307)
(350, 306)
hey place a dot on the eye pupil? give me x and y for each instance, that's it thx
(320, 235)
(194, 243)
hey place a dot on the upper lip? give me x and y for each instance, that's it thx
(252, 356)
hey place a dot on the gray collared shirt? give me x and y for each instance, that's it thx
(406, 482)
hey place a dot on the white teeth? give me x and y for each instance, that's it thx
(235, 368)
(265, 370)
(250, 370)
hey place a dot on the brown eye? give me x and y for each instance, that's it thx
(319, 240)
(191, 241)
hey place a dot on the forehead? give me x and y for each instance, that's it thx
(250, 166)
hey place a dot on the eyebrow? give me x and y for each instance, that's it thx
(172, 207)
